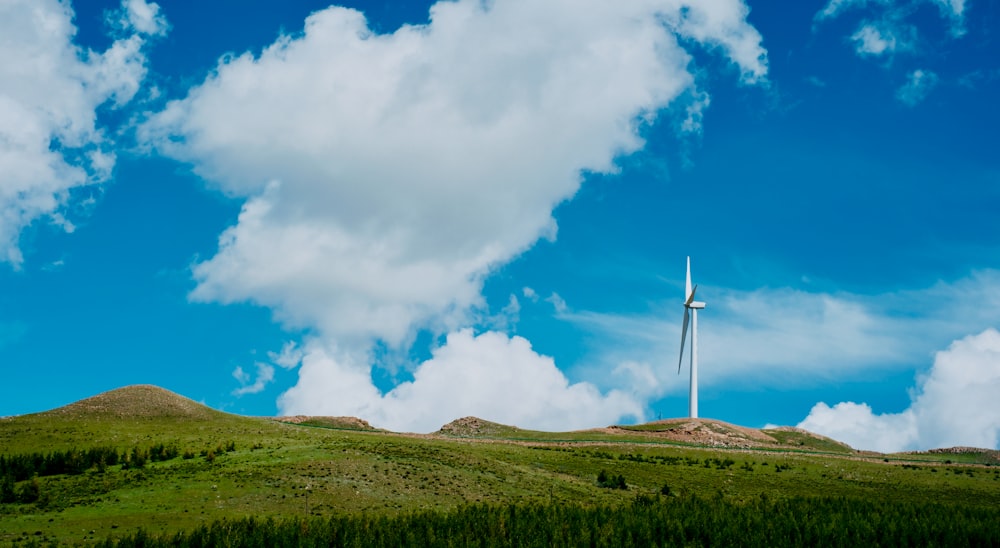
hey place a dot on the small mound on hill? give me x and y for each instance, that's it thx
(707, 432)
(340, 423)
(797, 437)
(470, 427)
(984, 456)
(138, 401)
(713, 433)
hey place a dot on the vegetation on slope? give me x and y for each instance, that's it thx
(237, 467)
(645, 521)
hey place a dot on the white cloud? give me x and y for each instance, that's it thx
(506, 319)
(856, 425)
(265, 374)
(884, 30)
(779, 338)
(143, 17)
(834, 8)
(919, 84)
(695, 113)
(774, 337)
(50, 89)
(954, 404)
(510, 314)
(954, 10)
(558, 303)
(386, 175)
(492, 376)
(882, 39)
(289, 357)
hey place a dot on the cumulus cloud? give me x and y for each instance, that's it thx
(491, 375)
(919, 84)
(386, 175)
(856, 425)
(50, 140)
(954, 404)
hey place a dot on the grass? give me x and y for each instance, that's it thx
(805, 441)
(289, 470)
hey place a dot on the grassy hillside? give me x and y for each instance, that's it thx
(237, 467)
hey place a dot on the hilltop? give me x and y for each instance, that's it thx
(141, 401)
(473, 427)
(123, 417)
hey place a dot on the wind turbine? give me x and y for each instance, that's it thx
(691, 308)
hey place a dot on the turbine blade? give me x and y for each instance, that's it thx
(684, 332)
(687, 283)
(690, 298)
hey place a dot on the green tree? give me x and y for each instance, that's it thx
(7, 493)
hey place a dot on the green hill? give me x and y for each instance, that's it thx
(125, 417)
(199, 465)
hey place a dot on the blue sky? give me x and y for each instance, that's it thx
(484, 208)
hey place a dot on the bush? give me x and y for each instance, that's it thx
(29, 491)
(611, 482)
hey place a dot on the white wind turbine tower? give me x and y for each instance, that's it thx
(691, 308)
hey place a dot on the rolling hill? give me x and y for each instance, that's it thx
(229, 466)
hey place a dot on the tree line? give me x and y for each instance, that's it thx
(646, 521)
(26, 468)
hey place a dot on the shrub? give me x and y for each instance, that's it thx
(29, 491)
(611, 482)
